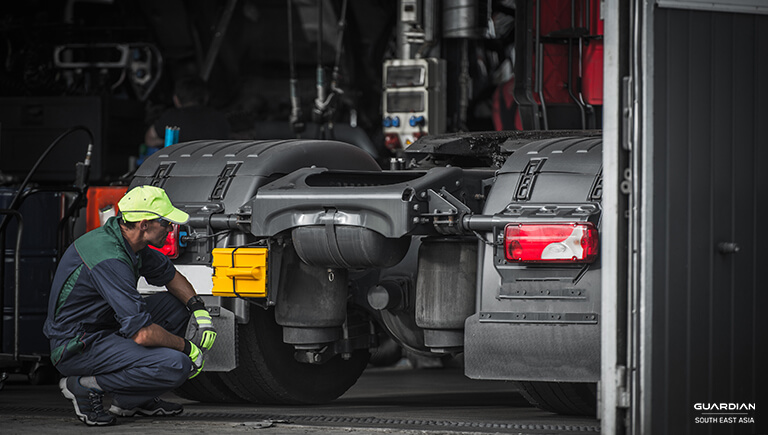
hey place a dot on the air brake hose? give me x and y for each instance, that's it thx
(319, 110)
(296, 122)
(339, 47)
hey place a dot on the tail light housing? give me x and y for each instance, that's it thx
(571, 242)
(392, 141)
(171, 247)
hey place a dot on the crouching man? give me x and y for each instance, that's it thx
(105, 337)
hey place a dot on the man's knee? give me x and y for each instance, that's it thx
(177, 369)
(168, 369)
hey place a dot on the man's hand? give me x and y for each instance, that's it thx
(205, 330)
(205, 333)
(196, 355)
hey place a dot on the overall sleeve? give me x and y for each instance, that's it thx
(156, 268)
(115, 282)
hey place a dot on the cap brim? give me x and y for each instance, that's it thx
(177, 216)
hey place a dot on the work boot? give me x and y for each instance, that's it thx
(155, 406)
(88, 402)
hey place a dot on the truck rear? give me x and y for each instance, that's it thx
(307, 252)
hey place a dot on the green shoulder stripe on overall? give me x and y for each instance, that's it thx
(105, 243)
(66, 289)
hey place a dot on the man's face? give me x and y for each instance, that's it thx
(157, 232)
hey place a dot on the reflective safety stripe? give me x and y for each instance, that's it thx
(202, 317)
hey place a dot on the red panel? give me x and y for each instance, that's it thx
(555, 74)
(593, 58)
(555, 21)
(556, 15)
(101, 197)
(555, 25)
(596, 24)
(592, 83)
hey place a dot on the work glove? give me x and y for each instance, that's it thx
(196, 355)
(205, 333)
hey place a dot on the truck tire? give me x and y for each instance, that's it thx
(567, 398)
(207, 387)
(267, 372)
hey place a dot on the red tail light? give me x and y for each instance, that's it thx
(551, 242)
(171, 247)
(392, 141)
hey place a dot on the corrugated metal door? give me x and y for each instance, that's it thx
(704, 238)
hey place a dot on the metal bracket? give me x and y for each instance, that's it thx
(446, 211)
(627, 115)
(61, 51)
(200, 216)
(622, 394)
(546, 294)
(532, 317)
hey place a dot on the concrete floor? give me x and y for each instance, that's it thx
(399, 400)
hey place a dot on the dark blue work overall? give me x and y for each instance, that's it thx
(95, 309)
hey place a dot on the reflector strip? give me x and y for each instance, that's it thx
(551, 242)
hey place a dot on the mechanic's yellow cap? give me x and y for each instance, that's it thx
(149, 202)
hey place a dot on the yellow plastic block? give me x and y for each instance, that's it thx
(240, 272)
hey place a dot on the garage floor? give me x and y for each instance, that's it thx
(399, 400)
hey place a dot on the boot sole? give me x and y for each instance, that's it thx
(142, 412)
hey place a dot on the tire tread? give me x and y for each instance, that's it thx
(567, 398)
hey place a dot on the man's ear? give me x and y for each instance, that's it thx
(144, 224)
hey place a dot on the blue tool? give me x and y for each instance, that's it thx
(171, 135)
